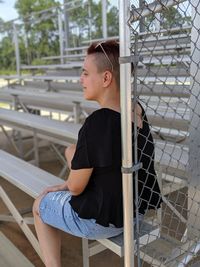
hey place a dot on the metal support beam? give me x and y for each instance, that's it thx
(77, 111)
(66, 25)
(60, 27)
(104, 18)
(153, 7)
(142, 19)
(126, 126)
(194, 130)
(36, 148)
(20, 221)
(17, 54)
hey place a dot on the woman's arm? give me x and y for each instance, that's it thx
(69, 154)
(78, 180)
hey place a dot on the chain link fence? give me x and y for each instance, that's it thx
(165, 43)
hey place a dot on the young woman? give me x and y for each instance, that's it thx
(89, 203)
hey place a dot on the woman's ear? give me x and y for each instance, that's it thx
(107, 78)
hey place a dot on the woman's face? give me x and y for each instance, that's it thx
(91, 79)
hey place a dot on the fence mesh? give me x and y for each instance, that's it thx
(165, 40)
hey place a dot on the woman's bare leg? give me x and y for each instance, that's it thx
(49, 239)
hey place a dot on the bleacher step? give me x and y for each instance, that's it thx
(161, 249)
(10, 255)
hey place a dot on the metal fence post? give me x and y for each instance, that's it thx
(194, 136)
(60, 27)
(17, 53)
(104, 18)
(126, 126)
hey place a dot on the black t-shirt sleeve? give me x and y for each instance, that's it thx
(94, 146)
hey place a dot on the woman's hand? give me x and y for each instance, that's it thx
(55, 188)
(138, 110)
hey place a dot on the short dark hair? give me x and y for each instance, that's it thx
(111, 48)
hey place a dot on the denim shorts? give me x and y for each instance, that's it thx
(55, 210)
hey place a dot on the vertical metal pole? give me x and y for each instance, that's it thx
(60, 27)
(194, 130)
(142, 19)
(136, 193)
(76, 111)
(16, 133)
(126, 127)
(85, 252)
(157, 21)
(104, 18)
(26, 42)
(17, 54)
(36, 148)
(89, 20)
(66, 25)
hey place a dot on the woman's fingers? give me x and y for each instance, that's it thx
(54, 188)
(50, 189)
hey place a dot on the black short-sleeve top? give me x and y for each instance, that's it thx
(99, 147)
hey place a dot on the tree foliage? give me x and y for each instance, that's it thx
(172, 18)
(88, 21)
(40, 28)
(169, 18)
(38, 31)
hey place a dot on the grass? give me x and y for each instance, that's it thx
(13, 72)
(4, 105)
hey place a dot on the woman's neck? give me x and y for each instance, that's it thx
(111, 101)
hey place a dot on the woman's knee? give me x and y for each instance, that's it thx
(36, 205)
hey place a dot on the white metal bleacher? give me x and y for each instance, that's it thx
(170, 159)
(10, 255)
(50, 101)
(63, 133)
(66, 102)
(60, 132)
(32, 181)
(70, 65)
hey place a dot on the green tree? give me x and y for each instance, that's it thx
(113, 21)
(79, 18)
(172, 18)
(169, 18)
(40, 28)
(37, 30)
(7, 54)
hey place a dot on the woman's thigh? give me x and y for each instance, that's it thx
(55, 210)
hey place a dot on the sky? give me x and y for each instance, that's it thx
(7, 11)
